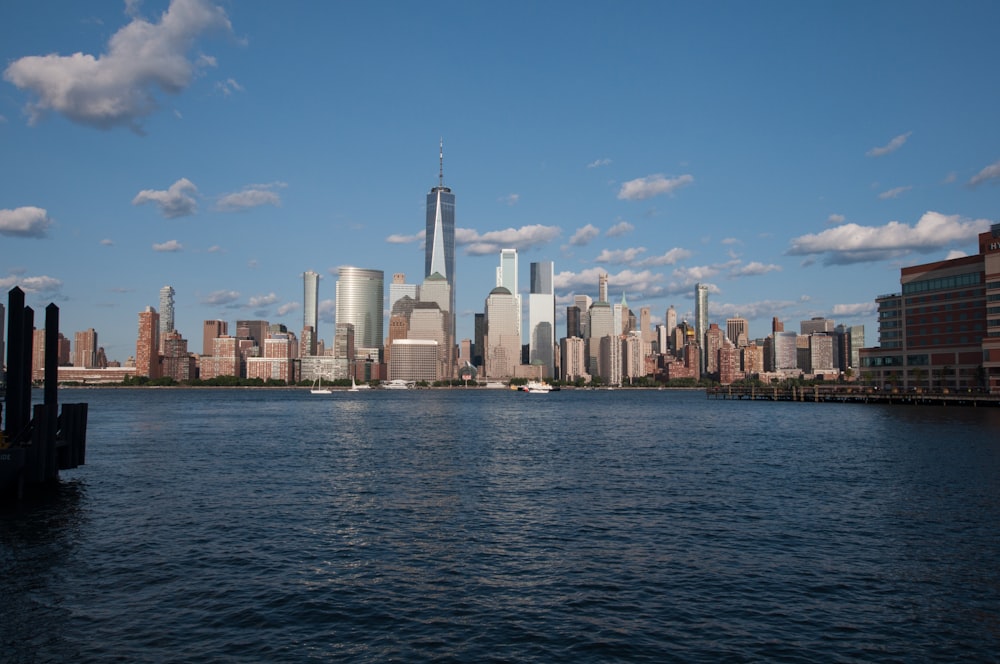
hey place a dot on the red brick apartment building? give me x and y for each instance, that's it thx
(942, 331)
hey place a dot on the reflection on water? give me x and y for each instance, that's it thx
(260, 525)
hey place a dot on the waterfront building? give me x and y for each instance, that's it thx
(752, 360)
(701, 322)
(507, 277)
(344, 341)
(602, 287)
(212, 329)
(714, 337)
(729, 363)
(414, 360)
(777, 325)
(573, 321)
(942, 331)
(542, 317)
(147, 355)
(360, 295)
(85, 349)
(602, 325)
(610, 361)
(177, 363)
(646, 325)
(439, 238)
(820, 356)
(166, 313)
(436, 291)
(785, 351)
(64, 351)
(37, 354)
(503, 334)
(225, 359)
(399, 327)
(573, 351)
(428, 323)
(478, 336)
(635, 351)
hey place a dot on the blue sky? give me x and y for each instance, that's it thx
(793, 155)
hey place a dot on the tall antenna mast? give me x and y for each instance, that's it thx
(441, 163)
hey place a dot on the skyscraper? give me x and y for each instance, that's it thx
(85, 351)
(212, 330)
(166, 313)
(439, 250)
(360, 297)
(310, 300)
(507, 278)
(542, 317)
(147, 356)
(701, 321)
(503, 334)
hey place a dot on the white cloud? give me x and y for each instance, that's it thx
(492, 242)
(28, 221)
(671, 257)
(754, 269)
(894, 193)
(855, 310)
(510, 199)
(597, 163)
(584, 235)
(221, 298)
(765, 309)
(618, 256)
(117, 87)
(991, 172)
(397, 238)
(836, 219)
(851, 243)
(621, 228)
(168, 246)
(228, 86)
(41, 284)
(652, 185)
(645, 283)
(288, 308)
(174, 202)
(955, 253)
(258, 301)
(890, 147)
(251, 196)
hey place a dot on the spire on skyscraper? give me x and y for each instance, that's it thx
(441, 163)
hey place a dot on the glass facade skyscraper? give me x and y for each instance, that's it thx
(166, 313)
(310, 300)
(701, 321)
(542, 317)
(439, 250)
(360, 299)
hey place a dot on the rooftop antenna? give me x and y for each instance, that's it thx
(441, 163)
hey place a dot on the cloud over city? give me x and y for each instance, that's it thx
(853, 243)
(251, 196)
(117, 88)
(890, 147)
(175, 201)
(652, 185)
(28, 221)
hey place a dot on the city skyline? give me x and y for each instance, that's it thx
(790, 157)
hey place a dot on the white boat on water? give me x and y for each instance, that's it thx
(495, 385)
(537, 387)
(356, 388)
(400, 384)
(317, 387)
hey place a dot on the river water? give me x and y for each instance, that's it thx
(264, 525)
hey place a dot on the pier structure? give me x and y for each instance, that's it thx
(36, 439)
(851, 394)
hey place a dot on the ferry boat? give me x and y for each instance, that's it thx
(399, 384)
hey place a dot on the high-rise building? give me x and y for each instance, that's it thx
(602, 324)
(574, 358)
(507, 277)
(542, 317)
(785, 351)
(399, 289)
(177, 363)
(671, 323)
(737, 331)
(942, 331)
(573, 321)
(646, 325)
(211, 330)
(147, 355)
(439, 239)
(254, 330)
(414, 359)
(310, 303)
(816, 324)
(701, 321)
(166, 313)
(583, 302)
(3, 351)
(360, 298)
(85, 349)
(602, 287)
(503, 334)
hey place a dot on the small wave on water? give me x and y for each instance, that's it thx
(257, 525)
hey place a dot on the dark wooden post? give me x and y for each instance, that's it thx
(52, 358)
(15, 362)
